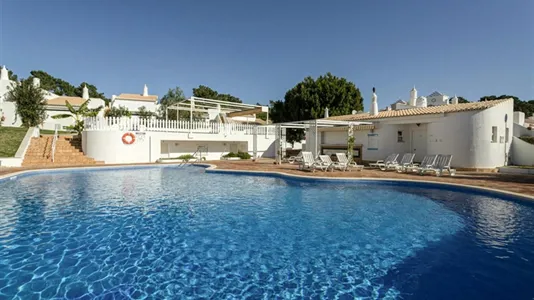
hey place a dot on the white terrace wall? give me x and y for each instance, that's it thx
(522, 131)
(170, 139)
(522, 153)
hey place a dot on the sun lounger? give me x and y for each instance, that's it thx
(441, 164)
(391, 159)
(405, 163)
(344, 160)
(309, 163)
(294, 159)
(326, 160)
(427, 163)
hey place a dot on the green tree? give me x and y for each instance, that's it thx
(462, 100)
(276, 111)
(93, 92)
(206, 92)
(526, 107)
(309, 99)
(29, 101)
(143, 113)
(63, 88)
(203, 91)
(117, 112)
(172, 97)
(12, 76)
(78, 115)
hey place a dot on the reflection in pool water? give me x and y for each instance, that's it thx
(177, 233)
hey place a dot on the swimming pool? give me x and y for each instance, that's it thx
(180, 232)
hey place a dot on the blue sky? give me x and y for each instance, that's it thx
(257, 50)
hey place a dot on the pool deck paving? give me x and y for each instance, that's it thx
(521, 184)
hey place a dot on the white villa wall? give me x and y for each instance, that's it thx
(214, 151)
(135, 105)
(334, 137)
(107, 146)
(8, 110)
(5, 86)
(483, 152)
(12, 120)
(519, 117)
(522, 131)
(465, 135)
(522, 153)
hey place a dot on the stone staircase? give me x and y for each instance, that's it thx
(68, 153)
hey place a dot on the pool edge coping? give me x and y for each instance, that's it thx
(213, 169)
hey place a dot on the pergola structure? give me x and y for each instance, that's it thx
(215, 108)
(312, 128)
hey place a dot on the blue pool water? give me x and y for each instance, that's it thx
(182, 233)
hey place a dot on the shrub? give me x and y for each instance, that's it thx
(186, 156)
(242, 155)
(118, 112)
(528, 139)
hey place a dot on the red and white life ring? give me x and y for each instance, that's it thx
(128, 138)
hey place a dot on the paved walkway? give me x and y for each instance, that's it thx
(523, 184)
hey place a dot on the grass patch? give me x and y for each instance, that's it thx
(521, 167)
(51, 132)
(11, 138)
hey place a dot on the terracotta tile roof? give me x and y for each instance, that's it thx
(137, 97)
(61, 100)
(422, 111)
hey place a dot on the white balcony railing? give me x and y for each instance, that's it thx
(136, 124)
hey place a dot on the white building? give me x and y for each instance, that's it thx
(211, 129)
(478, 134)
(55, 104)
(135, 101)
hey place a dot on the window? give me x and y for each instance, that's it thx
(400, 138)
(494, 134)
(507, 135)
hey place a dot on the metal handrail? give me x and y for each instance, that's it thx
(54, 141)
(199, 151)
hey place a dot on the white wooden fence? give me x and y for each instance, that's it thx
(137, 124)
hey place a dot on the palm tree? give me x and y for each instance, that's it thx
(78, 114)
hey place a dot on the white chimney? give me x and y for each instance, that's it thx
(421, 102)
(454, 100)
(326, 112)
(4, 75)
(85, 93)
(145, 91)
(36, 82)
(413, 97)
(374, 104)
